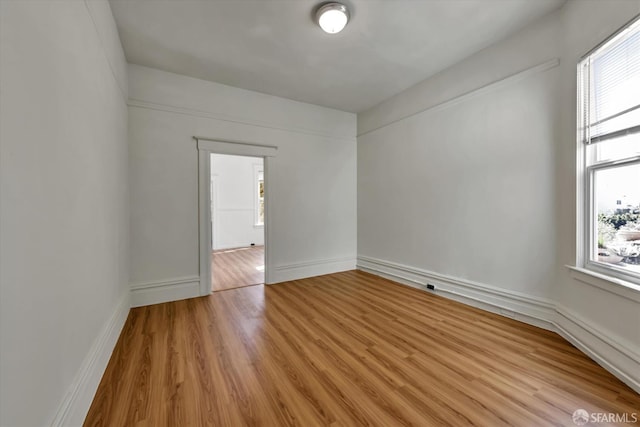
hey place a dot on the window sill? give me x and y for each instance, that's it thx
(607, 283)
(258, 225)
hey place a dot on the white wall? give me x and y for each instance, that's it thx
(467, 181)
(312, 180)
(465, 188)
(64, 206)
(233, 207)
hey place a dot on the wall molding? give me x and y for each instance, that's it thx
(76, 403)
(608, 339)
(537, 311)
(319, 267)
(237, 245)
(160, 291)
(139, 103)
(612, 353)
(489, 87)
(608, 352)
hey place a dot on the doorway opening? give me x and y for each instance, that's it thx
(237, 221)
(206, 189)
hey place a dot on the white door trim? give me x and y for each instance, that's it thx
(206, 147)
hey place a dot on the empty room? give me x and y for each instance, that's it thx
(315, 213)
(237, 221)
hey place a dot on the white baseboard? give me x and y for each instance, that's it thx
(75, 405)
(622, 360)
(164, 291)
(533, 310)
(239, 245)
(285, 273)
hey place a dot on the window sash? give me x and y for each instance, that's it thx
(609, 71)
(591, 230)
(259, 202)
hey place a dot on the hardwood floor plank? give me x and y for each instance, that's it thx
(299, 339)
(277, 379)
(343, 350)
(237, 267)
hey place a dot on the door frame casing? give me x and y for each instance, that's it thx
(206, 147)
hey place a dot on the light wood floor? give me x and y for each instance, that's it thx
(233, 268)
(345, 349)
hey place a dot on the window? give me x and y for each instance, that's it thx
(258, 174)
(609, 155)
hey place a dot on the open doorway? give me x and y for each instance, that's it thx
(237, 221)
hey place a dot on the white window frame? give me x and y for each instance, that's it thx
(590, 239)
(257, 170)
(587, 167)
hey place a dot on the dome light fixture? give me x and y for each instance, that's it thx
(332, 17)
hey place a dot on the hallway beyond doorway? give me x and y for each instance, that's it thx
(237, 267)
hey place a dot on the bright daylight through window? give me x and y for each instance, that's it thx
(609, 130)
(260, 198)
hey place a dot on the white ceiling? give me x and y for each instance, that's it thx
(275, 47)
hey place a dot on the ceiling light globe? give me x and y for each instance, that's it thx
(332, 17)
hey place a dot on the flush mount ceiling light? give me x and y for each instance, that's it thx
(332, 17)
